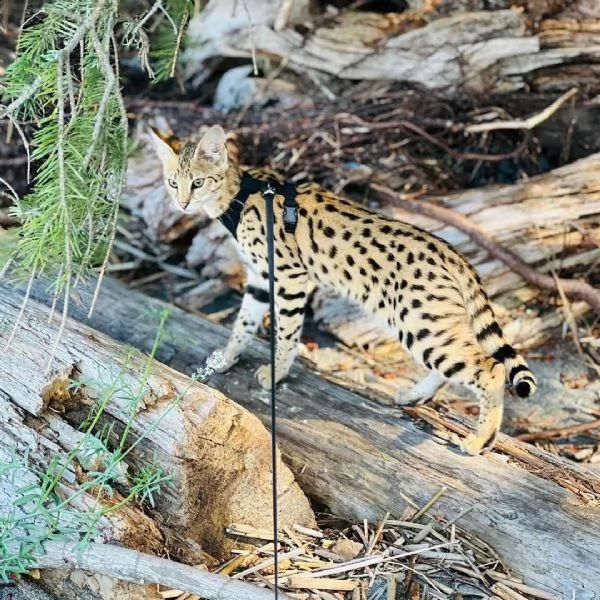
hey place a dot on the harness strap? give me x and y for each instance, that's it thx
(248, 186)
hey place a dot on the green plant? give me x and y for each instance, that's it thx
(48, 507)
(66, 79)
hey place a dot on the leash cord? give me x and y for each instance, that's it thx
(269, 196)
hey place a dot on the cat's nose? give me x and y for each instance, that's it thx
(184, 205)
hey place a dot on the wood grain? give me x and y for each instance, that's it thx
(363, 459)
(218, 453)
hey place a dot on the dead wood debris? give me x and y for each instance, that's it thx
(402, 138)
(420, 554)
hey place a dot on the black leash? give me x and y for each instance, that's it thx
(269, 195)
(231, 219)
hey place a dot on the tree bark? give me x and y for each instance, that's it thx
(481, 50)
(363, 459)
(218, 453)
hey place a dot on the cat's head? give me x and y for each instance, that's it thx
(194, 172)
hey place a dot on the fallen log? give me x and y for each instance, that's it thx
(217, 453)
(481, 50)
(363, 459)
(129, 565)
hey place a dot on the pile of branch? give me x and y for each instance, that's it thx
(479, 49)
(418, 555)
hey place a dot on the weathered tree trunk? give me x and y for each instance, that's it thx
(216, 451)
(483, 50)
(363, 459)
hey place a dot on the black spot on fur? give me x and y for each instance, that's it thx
(374, 264)
(287, 296)
(455, 368)
(291, 312)
(429, 317)
(439, 360)
(426, 355)
(381, 247)
(490, 330)
(360, 247)
(504, 353)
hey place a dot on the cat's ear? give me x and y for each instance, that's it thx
(165, 147)
(212, 146)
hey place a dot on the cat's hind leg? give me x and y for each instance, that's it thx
(421, 391)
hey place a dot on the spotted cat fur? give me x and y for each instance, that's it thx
(420, 288)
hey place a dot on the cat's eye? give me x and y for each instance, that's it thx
(197, 183)
(172, 183)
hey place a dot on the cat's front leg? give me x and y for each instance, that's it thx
(254, 306)
(290, 305)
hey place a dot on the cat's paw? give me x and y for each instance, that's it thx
(411, 397)
(263, 376)
(221, 361)
(474, 444)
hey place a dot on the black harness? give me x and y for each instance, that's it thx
(248, 186)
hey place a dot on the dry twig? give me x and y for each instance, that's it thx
(528, 123)
(130, 565)
(559, 432)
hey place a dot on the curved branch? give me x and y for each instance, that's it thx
(130, 565)
(579, 289)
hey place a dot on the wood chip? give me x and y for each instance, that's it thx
(320, 583)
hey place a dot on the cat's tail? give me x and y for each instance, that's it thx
(491, 339)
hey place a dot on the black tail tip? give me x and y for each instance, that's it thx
(523, 389)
